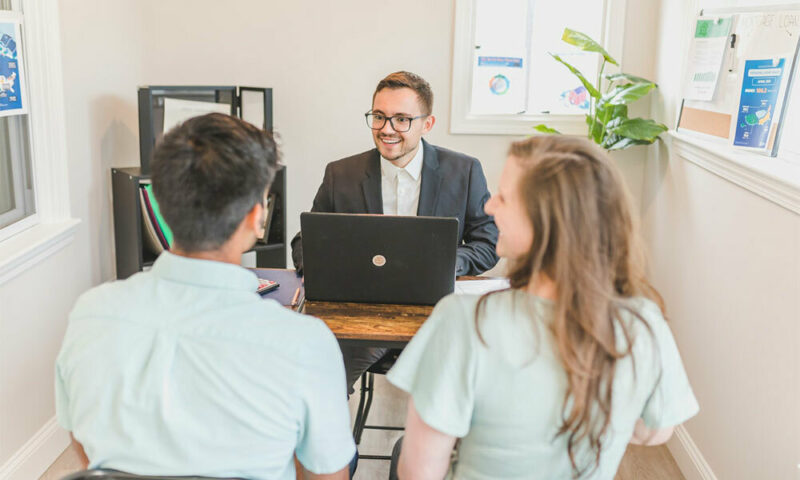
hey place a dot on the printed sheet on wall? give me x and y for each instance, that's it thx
(12, 85)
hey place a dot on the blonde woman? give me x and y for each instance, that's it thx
(552, 378)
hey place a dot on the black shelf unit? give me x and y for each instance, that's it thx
(132, 255)
(253, 104)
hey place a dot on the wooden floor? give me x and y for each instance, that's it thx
(648, 463)
(388, 408)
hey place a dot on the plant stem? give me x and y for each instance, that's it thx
(599, 89)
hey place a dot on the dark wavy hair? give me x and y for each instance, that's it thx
(208, 173)
(585, 241)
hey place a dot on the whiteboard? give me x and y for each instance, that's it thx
(770, 34)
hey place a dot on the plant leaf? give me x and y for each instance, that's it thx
(589, 87)
(595, 129)
(610, 140)
(639, 129)
(585, 43)
(614, 123)
(628, 93)
(622, 143)
(618, 112)
(545, 129)
(613, 77)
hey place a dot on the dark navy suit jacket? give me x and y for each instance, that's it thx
(453, 185)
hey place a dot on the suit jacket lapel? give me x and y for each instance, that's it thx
(371, 185)
(431, 181)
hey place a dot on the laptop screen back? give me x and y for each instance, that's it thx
(378, 258)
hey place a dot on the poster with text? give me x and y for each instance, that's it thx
(761, 84)
(706, 55)
(498, 84)
(11, 76)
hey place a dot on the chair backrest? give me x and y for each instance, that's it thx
(106, 474)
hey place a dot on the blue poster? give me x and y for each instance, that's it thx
(760, 86)
(514, 62)
(10, 69)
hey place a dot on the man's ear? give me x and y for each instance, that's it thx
(427, 125)
(254, 220)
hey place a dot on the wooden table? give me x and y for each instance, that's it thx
(372, 324)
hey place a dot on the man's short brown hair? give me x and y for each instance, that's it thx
(403, 79)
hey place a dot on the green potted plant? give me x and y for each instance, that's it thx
(607, 120)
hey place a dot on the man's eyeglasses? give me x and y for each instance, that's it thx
(400, 123)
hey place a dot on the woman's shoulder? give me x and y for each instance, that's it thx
(643, 309)
(644, 323)
(459, 311)
(468, 305)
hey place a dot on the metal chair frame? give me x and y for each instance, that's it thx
(109, 474)
(365, 403)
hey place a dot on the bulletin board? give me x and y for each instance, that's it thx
(757, 69)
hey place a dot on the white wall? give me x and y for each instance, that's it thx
(101, 51)
(728, 264)
(323, 60)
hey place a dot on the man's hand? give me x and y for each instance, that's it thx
(303, 474)
(642, 435)
(80, 451)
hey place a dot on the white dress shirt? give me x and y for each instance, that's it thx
(400, 186)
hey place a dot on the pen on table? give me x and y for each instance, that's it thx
(296, 294)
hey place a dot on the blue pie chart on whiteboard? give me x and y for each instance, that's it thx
(499, 84)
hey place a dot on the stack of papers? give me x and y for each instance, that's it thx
(479, 287)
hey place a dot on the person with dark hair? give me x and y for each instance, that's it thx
(185, 369)
(553, 377)
(405, 175)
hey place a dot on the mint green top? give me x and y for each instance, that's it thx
(186, 370)
(504, 399)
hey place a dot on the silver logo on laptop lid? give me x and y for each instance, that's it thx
(379, 260)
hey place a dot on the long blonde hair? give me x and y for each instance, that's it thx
(585, 241)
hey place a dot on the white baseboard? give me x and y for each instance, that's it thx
(688, 456)
(38, 453)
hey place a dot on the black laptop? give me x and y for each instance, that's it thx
(378, 258)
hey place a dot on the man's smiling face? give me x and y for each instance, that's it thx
(399, 147)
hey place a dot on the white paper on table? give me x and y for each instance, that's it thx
(479, 287)
(177, 111)
(705, 59)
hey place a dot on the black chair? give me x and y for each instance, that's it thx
(107, 474)
(365, 402)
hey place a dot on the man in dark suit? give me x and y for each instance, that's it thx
(405, 175)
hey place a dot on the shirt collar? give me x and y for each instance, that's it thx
(414, 167)
(204, 273)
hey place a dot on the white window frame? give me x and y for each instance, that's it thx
(18, 181)
(463, 122)
(51, 228)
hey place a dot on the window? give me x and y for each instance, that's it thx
(16, 184)
(17, 199)
(504, 79)
(35, 219)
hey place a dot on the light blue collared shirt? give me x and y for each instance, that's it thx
(186, 370)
